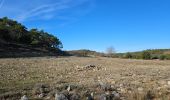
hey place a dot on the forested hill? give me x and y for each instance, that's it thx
(16, 40)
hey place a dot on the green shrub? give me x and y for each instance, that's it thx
(155, 56)
(128, 55)
(168, 56)
(146, 55)
(162, 57)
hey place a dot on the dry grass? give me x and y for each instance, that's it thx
(132, 78)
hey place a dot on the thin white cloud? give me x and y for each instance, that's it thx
(1, 3)
(39, 12)
(43, 9)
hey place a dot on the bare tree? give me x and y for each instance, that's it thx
(110, 51)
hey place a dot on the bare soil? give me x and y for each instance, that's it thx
(133, 79)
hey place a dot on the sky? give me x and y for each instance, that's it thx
(126, 25)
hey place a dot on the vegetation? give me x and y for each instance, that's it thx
(86, 53)
(146, 55)
(128, 55)
(162, 54)
(13, 32)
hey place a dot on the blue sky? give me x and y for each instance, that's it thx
(127, 25)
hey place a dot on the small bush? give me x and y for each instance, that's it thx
(155, 57)
(146, 55)
(128, 55)
(168, 57)
(162, 57)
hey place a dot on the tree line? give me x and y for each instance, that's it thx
(13, 32)
(162, 54)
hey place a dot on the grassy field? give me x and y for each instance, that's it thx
(133, 79)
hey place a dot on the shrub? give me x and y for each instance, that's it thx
(168, 57)
(146, 55)
(162, 57)
(155, 56)
(128, 55)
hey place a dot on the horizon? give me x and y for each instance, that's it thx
(128, 26)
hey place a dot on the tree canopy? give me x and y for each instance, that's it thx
(13, 32)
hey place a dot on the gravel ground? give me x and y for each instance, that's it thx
(132, 79)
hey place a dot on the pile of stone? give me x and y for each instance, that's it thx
(88, 67)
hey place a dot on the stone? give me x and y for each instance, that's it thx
(162, 82)
(105, 86)
(168, 82)
(89, 67)
(69, 88)
(90, 96)
(41, 95)
(103, 97)
(24, 97)
(75, 96)
(122, 90)
(60, 97)
(40, 89)
(113, 82)
(140, 89)
(116, 95)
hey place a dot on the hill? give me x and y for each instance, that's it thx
(17, 41)
(13, 50)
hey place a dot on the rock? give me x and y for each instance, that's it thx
(41, 95)
(40, 89)
(24, 97)
(122, 90)
(113, 82)
(10, 95)
(75, 96)
(140, 89)
(150, 96)
(89, 66)
(60, 97)
(65, 92)
(90, 96)
(168, 82)
(109, 96)
(103, 97)
(121, 85)
(69, 88)
(116, 94)
(48, 98)
(105, 86)
(162, 82)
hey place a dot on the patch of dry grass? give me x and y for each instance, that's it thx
(132, 78)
